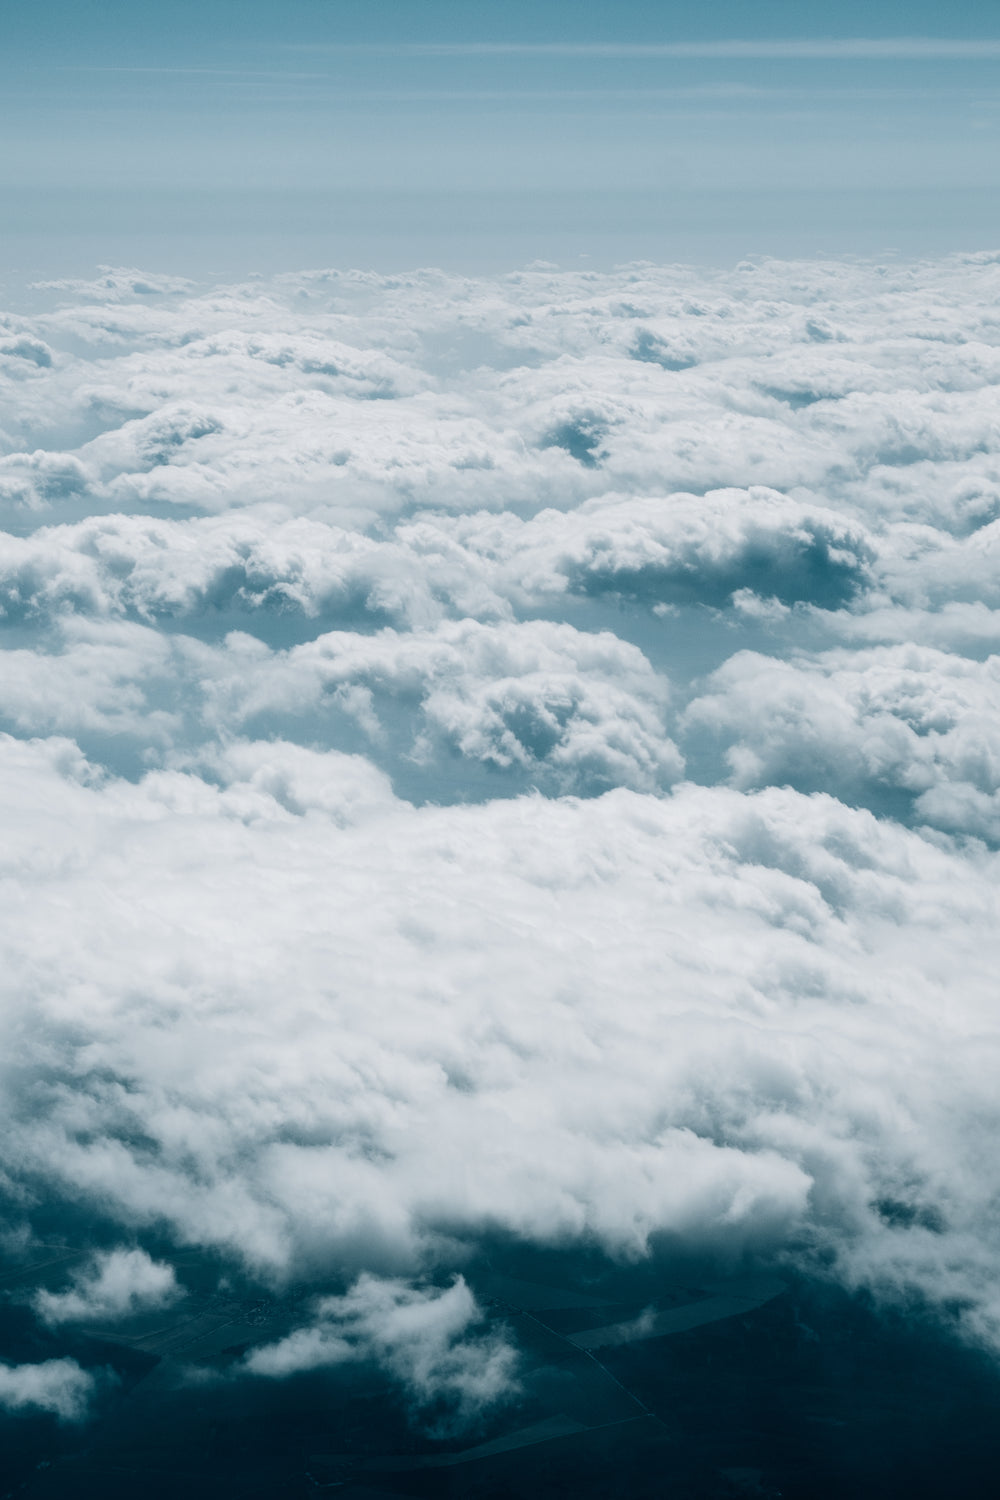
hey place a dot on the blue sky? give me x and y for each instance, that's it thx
(464, 130)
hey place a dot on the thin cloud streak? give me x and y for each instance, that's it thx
(889, 49)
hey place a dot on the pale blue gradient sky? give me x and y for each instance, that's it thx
(227, 136)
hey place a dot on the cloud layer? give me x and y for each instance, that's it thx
(502, 758)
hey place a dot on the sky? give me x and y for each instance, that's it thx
(238, 137)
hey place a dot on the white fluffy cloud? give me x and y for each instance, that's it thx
(722, 1018)
(116, 1284)
(427, 1339)
(58, 1386)
(582, 711)
(536, 389)
(910, 718)
(358, 635)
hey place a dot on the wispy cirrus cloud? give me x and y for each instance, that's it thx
(890, 49)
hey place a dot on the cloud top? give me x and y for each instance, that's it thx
(501, 761)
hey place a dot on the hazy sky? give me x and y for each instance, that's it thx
(480, 131)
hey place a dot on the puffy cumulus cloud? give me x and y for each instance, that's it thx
(358, 631)
(657, 549)
(373, 394)
(534, 703)
(116, 1284)
(903, 719)
(105, 679)
(577, 710)
(31, 351)
(426, 1338)
(364, 1039)
(259, 778)
(852, 407)
(264, 564)
(668, 549)
(35, 480)
(119, 283)
(58, 1386)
